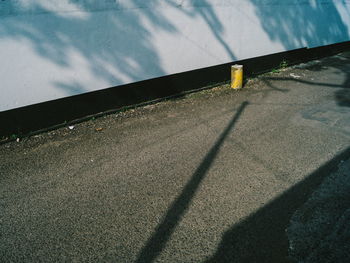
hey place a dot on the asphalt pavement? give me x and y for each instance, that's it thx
(213, 176)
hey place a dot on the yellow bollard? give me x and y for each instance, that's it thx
(236, 76)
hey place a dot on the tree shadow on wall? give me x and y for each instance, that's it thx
(94, 43)
(114, 47)
(303, 23)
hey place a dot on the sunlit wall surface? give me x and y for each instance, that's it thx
(53, 49)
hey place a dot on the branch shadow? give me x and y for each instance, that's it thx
(180, 205)
(342, 91)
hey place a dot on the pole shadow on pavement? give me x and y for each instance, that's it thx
(180, 205)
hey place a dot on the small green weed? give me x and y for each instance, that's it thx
(284, 64)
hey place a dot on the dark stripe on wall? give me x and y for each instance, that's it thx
(26, 120)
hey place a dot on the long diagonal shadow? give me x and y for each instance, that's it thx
(164, 230)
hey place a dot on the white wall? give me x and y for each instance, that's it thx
(51, 49)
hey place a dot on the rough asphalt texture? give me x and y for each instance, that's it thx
(215, 176)
(319, 230)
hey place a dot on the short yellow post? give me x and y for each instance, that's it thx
(236, 76)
